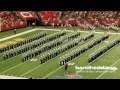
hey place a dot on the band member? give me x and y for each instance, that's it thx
(53, 24)
(14, 31)
(66, 67)
(33, 24)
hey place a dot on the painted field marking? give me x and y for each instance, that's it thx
(107, 69)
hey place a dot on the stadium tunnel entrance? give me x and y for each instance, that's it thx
(36, 21)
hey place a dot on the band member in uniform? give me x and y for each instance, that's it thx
(33, 24)
(14, 31)
(66, 67)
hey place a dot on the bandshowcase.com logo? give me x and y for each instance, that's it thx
(95, 69)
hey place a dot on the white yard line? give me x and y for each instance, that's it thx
(34, 68)
(57, 69)
(12, 36)
(73, 31)
(107, 69)
(10, 77)
(9, 59)
(52, 72)
(3, 61)
(61, 67)
(42, 29)
(12, 68)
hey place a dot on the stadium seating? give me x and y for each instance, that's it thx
(13, 19)
(60, 17)
(10, 20)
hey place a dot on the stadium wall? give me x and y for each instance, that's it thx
(16, 24)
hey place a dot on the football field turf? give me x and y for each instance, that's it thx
(51, 69)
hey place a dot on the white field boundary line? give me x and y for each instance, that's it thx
(3, 39)
(74, 31)
(107, 69)
(48, 30)
(38, 67)
(12, 67)
(34, 68)
(10, 77)
(63, 65)
(12, 36)
(42, 29)
(3, 61)
(9, 59)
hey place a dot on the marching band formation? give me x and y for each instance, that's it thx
(49, 46)
(79, 51)
(33, 46)
(23, 42)
(102, 50)
(32, 43)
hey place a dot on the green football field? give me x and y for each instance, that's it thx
(52, 70)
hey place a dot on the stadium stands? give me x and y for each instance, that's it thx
(11, 21)
(94, 18)
(17, 19)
